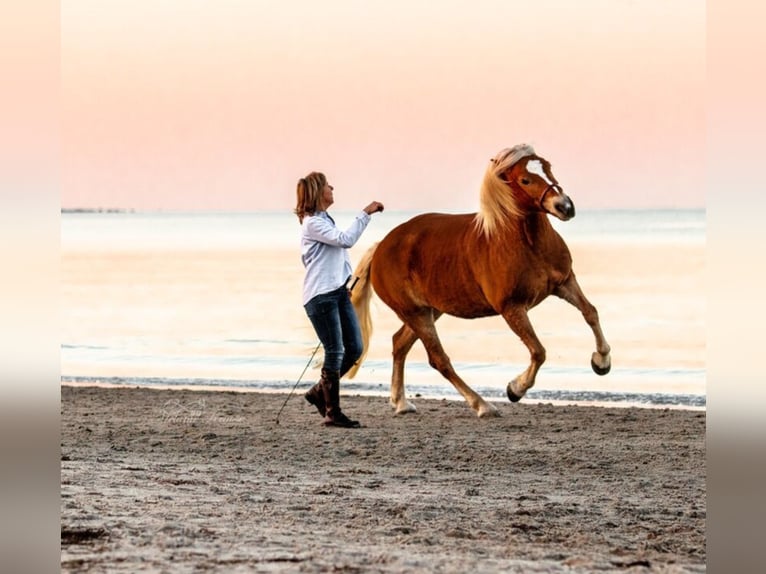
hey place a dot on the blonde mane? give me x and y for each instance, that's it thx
(496, 205)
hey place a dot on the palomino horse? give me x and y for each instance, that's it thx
(503, 260)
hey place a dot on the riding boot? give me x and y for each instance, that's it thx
(315, 396)
(331, 388)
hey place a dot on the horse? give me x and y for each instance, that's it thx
(503, 260)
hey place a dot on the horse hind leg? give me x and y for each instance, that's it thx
(422, 324)
(403, 340)
(601, 360)
(518, 321)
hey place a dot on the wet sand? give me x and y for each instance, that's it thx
(195, 481)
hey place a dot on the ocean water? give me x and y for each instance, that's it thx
(213, 300)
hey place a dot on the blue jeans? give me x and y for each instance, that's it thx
(337, 327)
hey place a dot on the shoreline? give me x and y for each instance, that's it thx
(73, 382)
(182, 480)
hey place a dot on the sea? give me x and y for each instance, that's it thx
(212, 300)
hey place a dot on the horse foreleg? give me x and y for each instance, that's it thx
(423, 326)
(518, 321)
(403, 340)
(600, 361)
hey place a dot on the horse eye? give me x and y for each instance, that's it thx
(525, 181)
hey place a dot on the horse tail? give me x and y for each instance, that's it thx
(360, 299)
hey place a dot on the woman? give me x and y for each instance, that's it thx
(325, 290)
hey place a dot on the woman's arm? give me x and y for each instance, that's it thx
(322, 230)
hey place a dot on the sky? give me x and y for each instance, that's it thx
(196, 105)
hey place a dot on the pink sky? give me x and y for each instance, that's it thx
(187, 104)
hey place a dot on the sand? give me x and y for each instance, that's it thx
(193, 481)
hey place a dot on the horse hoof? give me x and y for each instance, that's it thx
(406, 409)
(600, 370)
(513, 397)
(489, 411)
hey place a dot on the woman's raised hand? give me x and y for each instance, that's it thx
(374, 207)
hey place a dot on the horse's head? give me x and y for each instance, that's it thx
(535, 186)
(517, 182)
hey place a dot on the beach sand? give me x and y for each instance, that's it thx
(193, 481)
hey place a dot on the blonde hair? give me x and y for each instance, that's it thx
(496, 205)
(309, 194)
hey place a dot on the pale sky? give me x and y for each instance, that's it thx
(224, 104)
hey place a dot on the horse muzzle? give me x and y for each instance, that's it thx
(560, 206)
(557, 203)
(565, 209)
